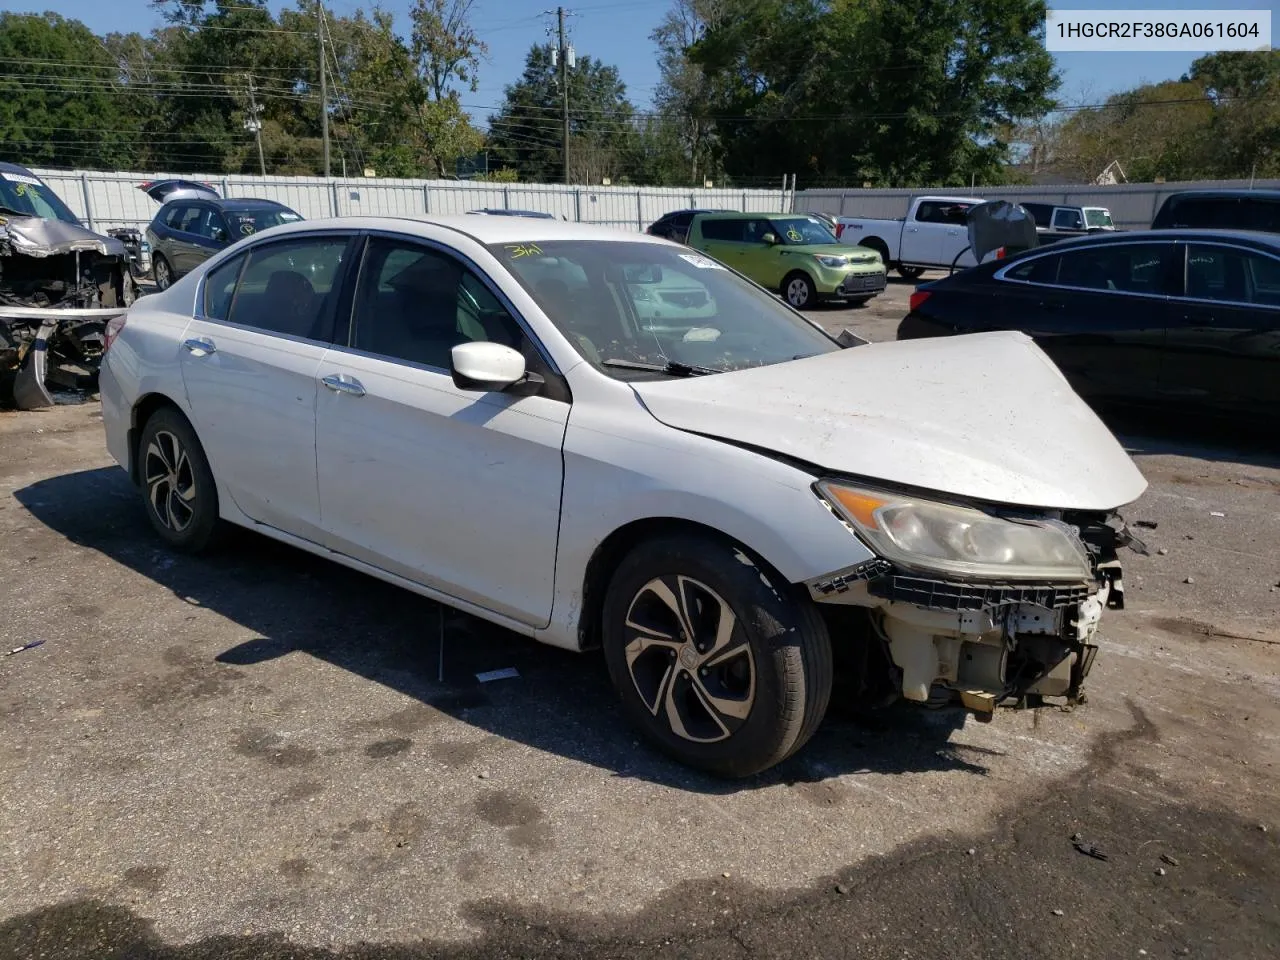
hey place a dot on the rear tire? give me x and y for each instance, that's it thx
(716, 658)
(163, 273)
(177, 484)
(910, 273)
(798, 290)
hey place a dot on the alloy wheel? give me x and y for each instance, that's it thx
(690, 659)
(170, 481)
(163, 277)
(798, 292)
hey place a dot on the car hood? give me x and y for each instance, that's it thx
(984, 416)
(38, 237)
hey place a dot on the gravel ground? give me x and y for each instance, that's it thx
(251, 755)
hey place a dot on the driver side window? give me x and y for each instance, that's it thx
(415, 304)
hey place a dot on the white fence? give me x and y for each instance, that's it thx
(106, 200)
(1133, 205)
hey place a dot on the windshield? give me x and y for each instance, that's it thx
(28, 195)
(245, 222)
(802, 230)
(1097, 217)
(648, 303)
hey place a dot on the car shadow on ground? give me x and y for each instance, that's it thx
(1217, 439)
(561, 702)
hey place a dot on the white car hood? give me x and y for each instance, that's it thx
(985, 416)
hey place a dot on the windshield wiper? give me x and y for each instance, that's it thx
(672, 367)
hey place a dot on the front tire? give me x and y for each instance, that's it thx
(716, 660)
(910, 273)
(798, 290)
(181, 499)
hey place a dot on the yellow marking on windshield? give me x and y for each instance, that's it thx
(518, 250)
(794, 235)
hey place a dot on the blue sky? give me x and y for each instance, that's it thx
(617, 32)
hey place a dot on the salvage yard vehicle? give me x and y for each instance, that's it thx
(726, 512)
(187, 231)
(794, 254)
(1175, 319)
(59, 282)
(1061, 220)
(675, 225)
(931, 236)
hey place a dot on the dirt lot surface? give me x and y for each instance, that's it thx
(250, 755)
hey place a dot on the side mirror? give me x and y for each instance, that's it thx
(489, 367)
(219, 235)
(770, 238)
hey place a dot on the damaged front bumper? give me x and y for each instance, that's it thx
(984, 643)
(59, 285)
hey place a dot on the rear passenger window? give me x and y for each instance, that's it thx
(1128, 268)
(219, 287)
(1039, 270)
(291, 288)
(730, 230)
(175, 215)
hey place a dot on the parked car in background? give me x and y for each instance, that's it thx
(794, 254)
(442, 405)
(675, 225)
(1220, 210)
(1056, 220)
(828, 219)
(187, 232)
(504, 212)
(162, 191)
(1185, 319)
(931, 236)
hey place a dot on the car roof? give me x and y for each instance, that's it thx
(1225, 194)
(486, 230)
(14, 168)
(1251, 237)
(753, 214)
(242, 203)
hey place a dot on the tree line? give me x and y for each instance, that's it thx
(839, 92)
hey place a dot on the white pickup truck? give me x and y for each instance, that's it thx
(930, 236)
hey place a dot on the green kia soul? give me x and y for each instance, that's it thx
(792, 253)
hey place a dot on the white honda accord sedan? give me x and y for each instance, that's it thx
(604, 440)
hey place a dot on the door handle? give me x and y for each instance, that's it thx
(342, 383)
(913, 229)
(199, 346)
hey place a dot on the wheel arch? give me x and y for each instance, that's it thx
(610, 551)
(143, 410)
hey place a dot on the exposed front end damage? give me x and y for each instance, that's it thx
(59, 283)
(983, 643)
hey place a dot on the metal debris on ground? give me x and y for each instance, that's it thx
(25, 646)
(506, 673)
(1169, 860)
(1089, 850)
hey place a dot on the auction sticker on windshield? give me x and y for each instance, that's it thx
(19, 178)
(702, 263)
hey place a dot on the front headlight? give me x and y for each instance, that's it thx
(829, 261)
(958, 540)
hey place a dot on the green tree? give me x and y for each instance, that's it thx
(62, 100)
(526, 133)
(893, 92)
(1244, 133)
(683, 144)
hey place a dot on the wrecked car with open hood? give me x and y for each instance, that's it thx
(59, 283)
(609, 441)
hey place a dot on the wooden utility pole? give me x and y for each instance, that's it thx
(255, 123)
(564, 90)
(324, 88)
